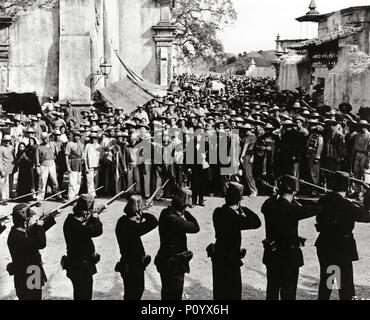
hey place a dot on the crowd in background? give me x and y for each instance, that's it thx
(197, 136)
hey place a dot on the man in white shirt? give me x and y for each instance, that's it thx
(91, 156)
(141, 114)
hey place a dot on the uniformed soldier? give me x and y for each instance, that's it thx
(26, 265)
(336, 246)
(130, 227)
(283, 255)
(79, 229)
(173, 257)
(226, 254)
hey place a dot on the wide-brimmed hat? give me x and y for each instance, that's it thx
(6, 137)
(44, 135)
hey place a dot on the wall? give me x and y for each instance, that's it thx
(111, 38)
(137, 47)
(34, 45)
(349, 81)
(294, 72)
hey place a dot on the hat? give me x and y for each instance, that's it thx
(182, 198)
(56, 132)
(76, 133)
(234, 193)
(84, 203)
(345, 107)
(269, 126)
(44, 135)
(299, 118)
(340, 181)
(22, 211)
(93, 135)
(247, 126)
(7, 121)
(363, 123)
(286, 185)
(134, 204)
(296, 105)
(288, 123)
(30, 130)
(331, 122)
(7, 137)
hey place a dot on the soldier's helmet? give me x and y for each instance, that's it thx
(134, 204)
(84, 203)
(182, 199)
(21, 212)
(234, 193)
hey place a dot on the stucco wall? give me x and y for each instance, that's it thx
(137, 47)
(55, 51)
(294, 73)
(34, 45)
(349, 81)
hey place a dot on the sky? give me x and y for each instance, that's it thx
(259, 21)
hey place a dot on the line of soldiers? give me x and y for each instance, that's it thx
(262, 132)
(283, 256)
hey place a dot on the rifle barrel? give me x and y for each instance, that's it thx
(67, 204)
(119, 195)
(358, 181)
(51, 197)
(20, 197)
(309, 184)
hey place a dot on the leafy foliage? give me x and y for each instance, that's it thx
(198, 22)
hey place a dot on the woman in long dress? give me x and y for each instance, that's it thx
(25, 165)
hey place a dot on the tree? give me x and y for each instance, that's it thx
(231, 60)
(13, 7)
(198, 22)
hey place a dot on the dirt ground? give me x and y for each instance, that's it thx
(198, 284)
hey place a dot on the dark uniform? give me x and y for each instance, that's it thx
(336, 246)
(133, 259)
(282, 255)
(173, 257)
(26, 263)
(226, 259)
(81, 257)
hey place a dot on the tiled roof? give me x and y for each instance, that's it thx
(344, 32)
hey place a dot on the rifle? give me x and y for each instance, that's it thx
(4, 202)
(109, 202)
(32, 204)
(103, 207)
(309, 184)
(275, 190)
(354, 180)
(50, 216)
(149, 202)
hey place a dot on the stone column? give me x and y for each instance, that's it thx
(5, 22)
(77, 18)
(164, 38)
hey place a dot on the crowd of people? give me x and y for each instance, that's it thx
(245, 138)
(198, 137)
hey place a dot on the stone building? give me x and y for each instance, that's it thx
(59, 51)
(338, 59)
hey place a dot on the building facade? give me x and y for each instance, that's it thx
(58, 51)
(338, 59)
